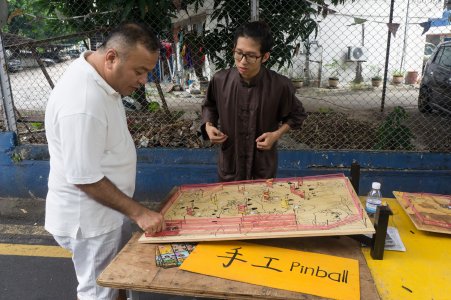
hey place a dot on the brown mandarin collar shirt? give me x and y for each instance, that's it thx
(244, 112)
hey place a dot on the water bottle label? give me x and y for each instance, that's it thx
(371, 205)
(370, 208)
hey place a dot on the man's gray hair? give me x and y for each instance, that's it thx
(128, 35)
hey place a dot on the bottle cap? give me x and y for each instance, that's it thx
(376, 185)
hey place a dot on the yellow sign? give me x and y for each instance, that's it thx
(305, 272)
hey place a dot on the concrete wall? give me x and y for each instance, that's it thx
(159, 170)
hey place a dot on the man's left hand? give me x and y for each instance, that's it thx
(266, 140)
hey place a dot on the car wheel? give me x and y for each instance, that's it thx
(423, 101)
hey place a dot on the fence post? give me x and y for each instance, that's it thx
(5, 91)
(254, 10)
(387, 56)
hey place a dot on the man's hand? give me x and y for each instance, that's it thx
(150, 221)
(266, 140)
(106, 193)
(214, 134)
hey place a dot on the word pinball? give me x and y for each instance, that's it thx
(295, 266)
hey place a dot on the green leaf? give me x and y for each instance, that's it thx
(153, 106)
(142, 6)
(127, 10)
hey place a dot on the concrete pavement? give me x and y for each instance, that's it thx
(32, 265)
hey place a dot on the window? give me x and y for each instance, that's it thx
(445, 57)
(429, 49)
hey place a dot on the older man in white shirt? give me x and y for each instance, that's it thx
(93, 157)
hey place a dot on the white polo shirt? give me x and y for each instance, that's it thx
(88, 139)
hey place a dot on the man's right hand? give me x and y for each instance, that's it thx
(150, 221)
(214, 134)
(106, 193)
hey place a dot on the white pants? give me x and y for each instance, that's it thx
(91, 256)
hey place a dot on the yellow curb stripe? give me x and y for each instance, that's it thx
(34, 250)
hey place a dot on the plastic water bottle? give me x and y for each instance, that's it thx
(374, 198)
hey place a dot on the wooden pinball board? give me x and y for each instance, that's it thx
(275, 208)
(428, 212)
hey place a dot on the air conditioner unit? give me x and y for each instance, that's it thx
(356, 53)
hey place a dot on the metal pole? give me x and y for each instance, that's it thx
(42, 67)
(363, 34)
(406, 26)
(387, 57)
(5, 92)
(254, 10)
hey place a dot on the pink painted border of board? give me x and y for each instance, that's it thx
(256, 223)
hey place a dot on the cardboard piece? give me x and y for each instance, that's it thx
(312, 273)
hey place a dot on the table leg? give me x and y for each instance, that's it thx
(133, 295)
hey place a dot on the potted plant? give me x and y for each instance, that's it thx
(297, 82)
(411, 77)
(398, 76)
(376, 79)
(335, 66)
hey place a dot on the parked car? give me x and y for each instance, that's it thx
(73, 53)
(14, 65)
(54, 56)
(435, 87)
(48, 62)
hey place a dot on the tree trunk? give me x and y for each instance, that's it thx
(160, 92)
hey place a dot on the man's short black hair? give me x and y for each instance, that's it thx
(259, 31)
(130, 34)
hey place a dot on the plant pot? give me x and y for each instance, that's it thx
(411, 77)
(333, 83)
(297, 83)
(376, 82)
(397, 79)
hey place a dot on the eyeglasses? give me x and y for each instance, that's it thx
(250, 58)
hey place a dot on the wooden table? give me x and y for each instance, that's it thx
(134, 269)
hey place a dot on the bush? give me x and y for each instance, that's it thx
(392, 134)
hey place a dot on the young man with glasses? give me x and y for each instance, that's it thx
(249, 107)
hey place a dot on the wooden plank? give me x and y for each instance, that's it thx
(428, 212)
(325, 205)
(134, 268)
(31, 119)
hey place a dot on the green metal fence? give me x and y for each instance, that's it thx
(343, 56)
